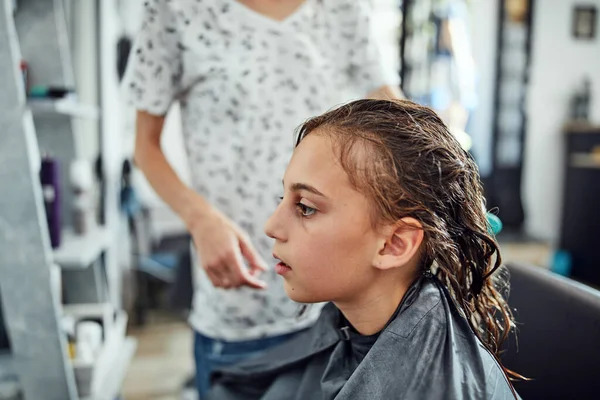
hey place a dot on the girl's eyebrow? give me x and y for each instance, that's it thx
(297, 187)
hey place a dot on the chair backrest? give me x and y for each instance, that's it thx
(558, 322)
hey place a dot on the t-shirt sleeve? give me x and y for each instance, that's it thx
(367, 70)
(154, 70)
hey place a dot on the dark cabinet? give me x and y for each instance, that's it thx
(580, 228)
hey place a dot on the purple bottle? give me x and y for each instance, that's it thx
(50, 179)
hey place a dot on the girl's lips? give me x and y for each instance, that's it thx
(282, 268)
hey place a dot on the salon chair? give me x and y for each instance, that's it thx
(558, 335)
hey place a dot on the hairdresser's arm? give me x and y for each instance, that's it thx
(386, 93)
(221, 245)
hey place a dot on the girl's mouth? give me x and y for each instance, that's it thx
(282, 268)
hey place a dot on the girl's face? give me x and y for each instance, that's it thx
(322, 230)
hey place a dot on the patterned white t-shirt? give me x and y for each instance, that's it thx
(245, 82)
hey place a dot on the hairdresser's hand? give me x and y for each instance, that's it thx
(222, 248)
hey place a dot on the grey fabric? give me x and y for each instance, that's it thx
(558, 323)
(427, 351)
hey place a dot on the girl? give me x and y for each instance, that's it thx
(382, 216)
(244, 71)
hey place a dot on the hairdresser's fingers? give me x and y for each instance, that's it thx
(215, 269)
(242, 274)
(231, 264)
(255, 261)
(231, 276)
(217, 278)
(250, 280)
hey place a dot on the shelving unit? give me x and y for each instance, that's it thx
(416, 43)
(80, 251)
(38, 356)
(509, 124)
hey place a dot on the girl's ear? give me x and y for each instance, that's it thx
(400, 244)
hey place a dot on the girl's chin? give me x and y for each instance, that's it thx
(301, 296)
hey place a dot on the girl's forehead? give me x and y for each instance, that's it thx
(316, 160)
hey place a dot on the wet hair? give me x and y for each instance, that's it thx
(405, 160)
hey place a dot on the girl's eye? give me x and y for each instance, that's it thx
(305, 210)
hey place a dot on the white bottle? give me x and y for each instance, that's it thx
(82, 183)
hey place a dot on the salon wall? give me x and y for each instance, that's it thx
(559, 63)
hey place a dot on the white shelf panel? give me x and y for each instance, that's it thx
(66, 106)
(113, 381)
(79, 251)
(87, 310)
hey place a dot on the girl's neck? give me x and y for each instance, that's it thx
(371, 310)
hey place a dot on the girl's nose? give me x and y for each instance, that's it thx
(274, 228)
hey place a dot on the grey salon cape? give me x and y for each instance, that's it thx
(426, 351)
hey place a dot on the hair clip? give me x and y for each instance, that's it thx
(494, 224)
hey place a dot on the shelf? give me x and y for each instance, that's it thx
(79, 251)
(91, 310)
(66, 106)
(585, 160)
(580, 127)
(113, 380)
(7, 369)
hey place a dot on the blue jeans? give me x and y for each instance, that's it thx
(211, 354)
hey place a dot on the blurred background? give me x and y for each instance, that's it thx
(88, 250)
